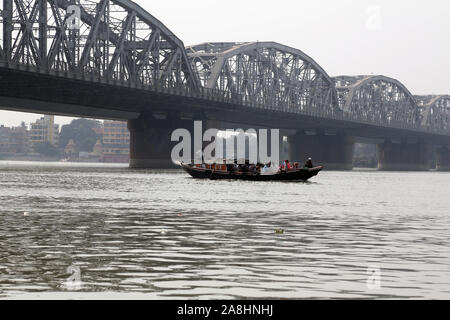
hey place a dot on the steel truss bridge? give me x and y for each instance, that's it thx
(117, 42)
(113, 59)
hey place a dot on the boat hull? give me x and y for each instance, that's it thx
(303, 174)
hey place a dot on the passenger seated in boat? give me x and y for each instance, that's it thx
(243, 168)
(286, 166)
(259, 167)
(309, 164)
(268, 170)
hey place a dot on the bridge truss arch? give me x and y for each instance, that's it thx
(113, 40)
(378, 99)
(435, 110)
(266, 74)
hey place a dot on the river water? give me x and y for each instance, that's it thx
(162, 235)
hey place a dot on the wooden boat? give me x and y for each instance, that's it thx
(221, 172)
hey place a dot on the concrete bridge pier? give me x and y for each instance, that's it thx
(404, 156)
(150, 145)
(443, 159)
(150, 139)
(334, 151)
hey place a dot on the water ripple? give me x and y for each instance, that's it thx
(164, 235)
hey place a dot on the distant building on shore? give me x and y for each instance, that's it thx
(44, 130)
(113, 141)
(14, 141)
(98, 130)
(70, 150)
(98, 149)
(20, 140)
(5, 137)
(116, 142)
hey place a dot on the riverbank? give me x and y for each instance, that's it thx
(28, 158)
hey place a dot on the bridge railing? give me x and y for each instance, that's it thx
(337, 114)
(226, 97)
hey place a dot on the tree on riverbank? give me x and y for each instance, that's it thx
(81, 132)
(46, 149)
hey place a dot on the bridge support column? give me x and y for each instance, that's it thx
(150, 144)
(150, 140)
(443, 159)
(404, 156)
(335, 152)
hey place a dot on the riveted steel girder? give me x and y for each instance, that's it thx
(117, 42)
(114, 40)
(378, 99)
(435, 110)
(267, 74)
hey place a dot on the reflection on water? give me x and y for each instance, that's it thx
(165, 235)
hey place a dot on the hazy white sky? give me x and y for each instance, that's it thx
(404, 39)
